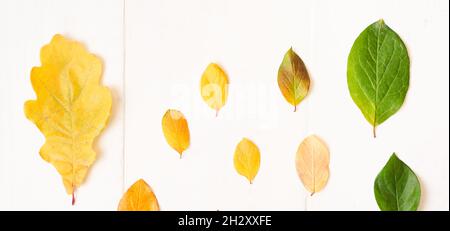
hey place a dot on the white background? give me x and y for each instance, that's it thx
(154, 53)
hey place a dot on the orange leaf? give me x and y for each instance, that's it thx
(139, 197)
(176, 130)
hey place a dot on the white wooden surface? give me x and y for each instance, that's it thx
(168, 44)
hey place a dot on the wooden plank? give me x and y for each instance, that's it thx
(28, 182)
(169, 44)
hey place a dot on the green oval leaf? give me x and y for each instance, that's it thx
(397, 187)
(378, 73)
(293, 78)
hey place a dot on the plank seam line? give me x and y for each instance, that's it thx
(123, 93)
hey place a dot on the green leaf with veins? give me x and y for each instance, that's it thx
(397, 187)
(378, 73)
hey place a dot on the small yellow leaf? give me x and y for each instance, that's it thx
(214, 87)
(176, 130)
(293, 78)
(71, 108)
(247, 159)
(139, 197)
(312, 162)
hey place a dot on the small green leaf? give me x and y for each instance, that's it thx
(397, 187)
(293, 78)
(378, 73)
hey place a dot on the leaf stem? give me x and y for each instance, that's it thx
(73, 197)
(374, 131)
(295, 108)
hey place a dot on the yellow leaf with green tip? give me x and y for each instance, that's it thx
(293, 78)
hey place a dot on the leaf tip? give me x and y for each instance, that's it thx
(394, 156)
(57, 37)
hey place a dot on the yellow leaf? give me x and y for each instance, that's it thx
(312, 162)
(293, 78)
(247, 159)
(71, 108)
(139, 197)
(214, 87)
(176, 130)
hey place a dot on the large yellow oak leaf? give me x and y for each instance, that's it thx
(247, 159)
(312, 163)
(214, 87)
(176, 130)
(71, 108)
(139, 197)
